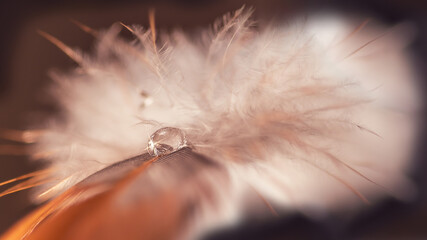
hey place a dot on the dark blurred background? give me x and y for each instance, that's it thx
(26, 58)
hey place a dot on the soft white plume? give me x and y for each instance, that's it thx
(310, 115)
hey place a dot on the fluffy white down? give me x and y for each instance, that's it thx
(310, 113)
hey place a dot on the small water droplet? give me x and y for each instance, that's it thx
(147, 100)
(166, 140)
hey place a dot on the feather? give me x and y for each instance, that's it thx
(311, 117)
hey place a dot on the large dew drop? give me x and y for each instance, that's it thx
(166, 140)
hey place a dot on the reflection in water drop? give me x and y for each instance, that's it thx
(166, 140)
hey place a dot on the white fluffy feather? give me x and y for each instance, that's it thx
(307, 114)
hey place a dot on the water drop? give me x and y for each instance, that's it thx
(146, 99)
(166, 140)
